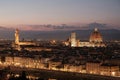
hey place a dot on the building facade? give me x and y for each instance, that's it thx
(95, 40)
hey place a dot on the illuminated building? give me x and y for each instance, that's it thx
(93, 67)
(96, 37)
(95, 40)
(73, 40)
(54, 64)
(53, 41)
(16, 36)
(18, 43)
(37, 49)
(109, 70)
(74, 68)
(23, 62)
(38, 63)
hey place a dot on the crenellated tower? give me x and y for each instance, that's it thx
(16, 36)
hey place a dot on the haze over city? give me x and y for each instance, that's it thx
(59, 17)
(27, 13)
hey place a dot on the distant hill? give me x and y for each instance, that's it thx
(111, 34)
(60, 32)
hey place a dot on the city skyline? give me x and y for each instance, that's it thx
(59, 40)
(73, 12)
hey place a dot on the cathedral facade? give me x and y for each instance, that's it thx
(95, 40)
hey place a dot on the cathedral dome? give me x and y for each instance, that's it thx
(96, 36)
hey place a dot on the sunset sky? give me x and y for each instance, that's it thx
(35, 12)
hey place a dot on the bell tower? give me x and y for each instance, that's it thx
(73, 40)
(16, 36)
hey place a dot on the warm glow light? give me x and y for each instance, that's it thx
(113, 73)
(36, 64)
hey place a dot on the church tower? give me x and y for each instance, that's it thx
(16, 36)
(73, 40)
